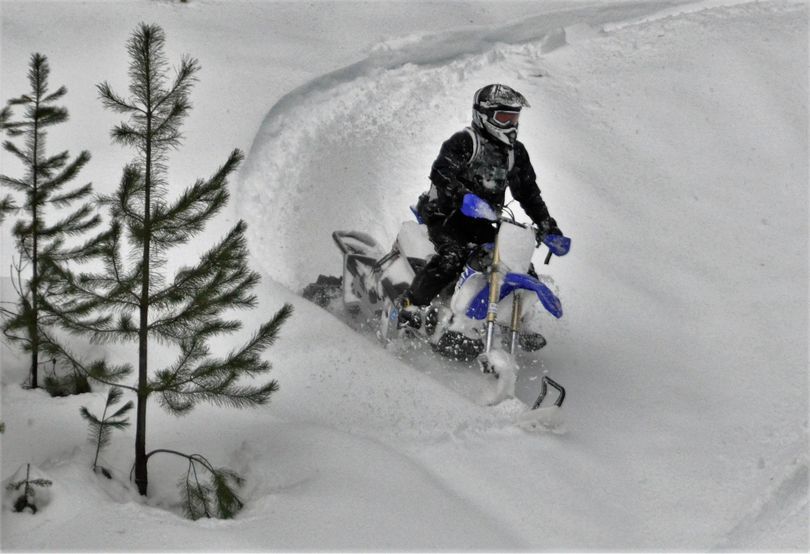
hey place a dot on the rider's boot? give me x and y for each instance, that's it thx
(409, 315)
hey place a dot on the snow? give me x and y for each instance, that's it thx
(670, 140)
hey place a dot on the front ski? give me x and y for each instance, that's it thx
(548, 418)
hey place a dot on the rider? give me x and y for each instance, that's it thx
(484, 159)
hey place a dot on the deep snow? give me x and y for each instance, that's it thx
(672, 146)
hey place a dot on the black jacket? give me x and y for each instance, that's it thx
(488, 173)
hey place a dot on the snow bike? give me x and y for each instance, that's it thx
(498, 295)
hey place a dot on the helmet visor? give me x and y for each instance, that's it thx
(506, 118)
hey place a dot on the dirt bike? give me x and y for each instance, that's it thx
(497, 296)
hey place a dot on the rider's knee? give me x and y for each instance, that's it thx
(451, 258)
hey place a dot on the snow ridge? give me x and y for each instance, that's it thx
(437, 49)
(418, 79)
(675, 338)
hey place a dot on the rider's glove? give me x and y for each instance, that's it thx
(545, 228)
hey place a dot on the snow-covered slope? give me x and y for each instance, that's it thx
(354, 147)
(672, 149)
(674, 152)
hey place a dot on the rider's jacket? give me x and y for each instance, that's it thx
(470, 162)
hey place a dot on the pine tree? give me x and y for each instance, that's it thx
(28, 499)
(100, 428)
(190, 308)
(41, 244)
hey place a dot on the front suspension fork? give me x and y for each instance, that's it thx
(494, 296)
(514, 326)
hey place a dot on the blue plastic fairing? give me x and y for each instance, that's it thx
(558, 244)
(513, 281)
(475, 207)
(417, 216)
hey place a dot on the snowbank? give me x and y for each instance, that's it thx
(672, 149)
(353, 148)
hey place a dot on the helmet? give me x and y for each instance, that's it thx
(496, 109)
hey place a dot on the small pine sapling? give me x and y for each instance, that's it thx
(42, 241)
(133, 298)
(28, 498)
(101, 428)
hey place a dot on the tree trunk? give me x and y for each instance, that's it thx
(141, 478)
(34, 326)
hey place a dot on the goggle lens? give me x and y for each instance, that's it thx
(506, 118)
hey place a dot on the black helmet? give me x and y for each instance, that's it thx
(496, 109)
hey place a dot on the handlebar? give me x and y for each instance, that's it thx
(477, 208)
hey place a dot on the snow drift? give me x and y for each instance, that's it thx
(673, 150)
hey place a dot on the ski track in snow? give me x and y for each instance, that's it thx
(323, 142)
(783, 506)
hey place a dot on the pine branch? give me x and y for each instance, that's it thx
(55, 96)
(114, 102)
(10, 147)
(91, 248)
(127, 135)
(209, 274)
(121, 203)
(5, 117)
(20, 321)
(64, 200)
(68, 173)
(56, 161)
(110, 290)
(184, 80)
(215, 381)
(186, 217)
(7, 206)
(49, 115)
(215, 296)
(16, 184)
(76, 223)
(22, 99)
(101, 329)
(247, 358)
(97, 370)
(215, 499)
(228, 503)
(167, 129)
(223, 394)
